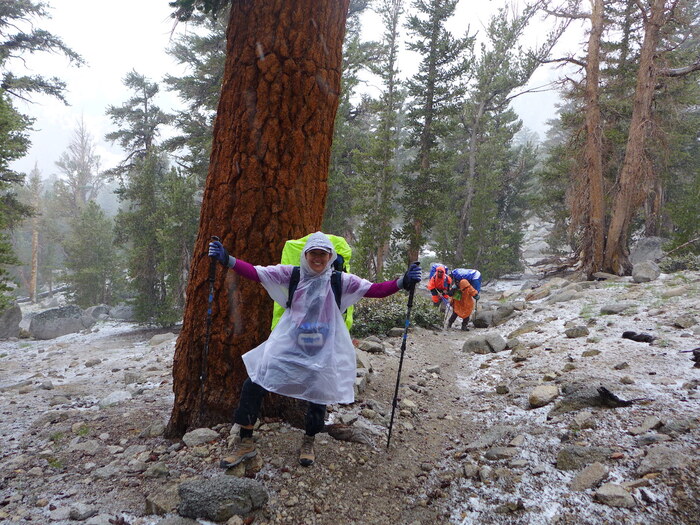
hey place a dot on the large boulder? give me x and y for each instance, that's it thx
(644, 272)
(9, 321)
(56, 322)
(647, 249)
(122, 312)
(220, 498)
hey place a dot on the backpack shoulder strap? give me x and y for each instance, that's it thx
(337, 285)
(293, 283)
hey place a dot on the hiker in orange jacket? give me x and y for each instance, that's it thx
(466, 289)
(439, 286)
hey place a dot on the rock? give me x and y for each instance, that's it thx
(496, 453)
(115, 398)
(645, 271)
(616, 308)
(200, 436)
(491, 436)
(660, 458)
(485, 344)
(676, 291)
(527, 327)
(122, 312)
(589, 477)
(650, 423)
(563, 296)
(9, 321)
(56, 322)
(543, 395)
(220, 498)
(614, 495)
(372, 347)
(647, 249)
(178, 520)
(395, 332)
(574, 457)
(81, 512)
(159, 339)
(576, 331)
(98, 312)
(684, 321)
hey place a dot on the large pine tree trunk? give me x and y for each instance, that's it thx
(636, 167)
(594, 235)
(266, 183)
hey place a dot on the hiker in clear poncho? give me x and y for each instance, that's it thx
(309, 354)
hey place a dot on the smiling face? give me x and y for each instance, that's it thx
(317, 259)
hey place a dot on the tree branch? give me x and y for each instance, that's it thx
(571, 60)
(680, 71)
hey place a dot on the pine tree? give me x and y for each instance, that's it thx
(91, 258)
(380, 164)
(436, 93)
(79, 166)
(203, 51)
(142, 176)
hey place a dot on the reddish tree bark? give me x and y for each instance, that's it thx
(266, 183)
(636, 168)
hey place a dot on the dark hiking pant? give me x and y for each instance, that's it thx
(249, 407)
(454, 316)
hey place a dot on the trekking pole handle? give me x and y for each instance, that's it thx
(413, 288)
(212, 263)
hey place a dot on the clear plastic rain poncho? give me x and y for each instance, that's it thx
(309, 355)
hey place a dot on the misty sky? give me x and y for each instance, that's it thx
(116, 37)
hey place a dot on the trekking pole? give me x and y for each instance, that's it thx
(205, 351)
(403, 350)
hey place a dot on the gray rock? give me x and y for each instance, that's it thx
(574, 457)
(56, 322)
(81, 512)
(589, 477)
(563, 297)
(496, 453)
(614, 495)
(101, 311)
(647, 249)
(576, 331)
(645, 271)
(496, 342)
(477, 344)
(200, 436)
(178, 520)
(527, 327)
(161, 338)
(220, 498)
(372, 347)
(685, 321)
(9, 321)
(122, 312)
(616, 308)
(676, 291)
(660, 458)
(395, 332)
(115, 398)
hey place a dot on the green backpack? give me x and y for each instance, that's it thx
(291, 254)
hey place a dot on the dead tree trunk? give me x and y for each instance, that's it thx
(266, 183)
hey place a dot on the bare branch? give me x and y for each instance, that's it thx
(571, 16)
(570, 60)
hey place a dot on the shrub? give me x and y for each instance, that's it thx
(377, 316)
(676, 263)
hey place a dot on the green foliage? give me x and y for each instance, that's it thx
(679, 262)
(203, 52)
(91, 259)
(377, 316)
(435, 93)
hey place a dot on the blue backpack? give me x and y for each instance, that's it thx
(473, 276)
(433, 269)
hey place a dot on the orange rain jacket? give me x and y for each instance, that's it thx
(465, 305)
(439, 284)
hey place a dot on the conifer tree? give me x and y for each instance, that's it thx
(436, 93)
(379, 163)
(140, 218)
(91, 258)
(20, 36)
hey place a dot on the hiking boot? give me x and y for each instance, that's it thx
(244, 450)
(306, 453)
